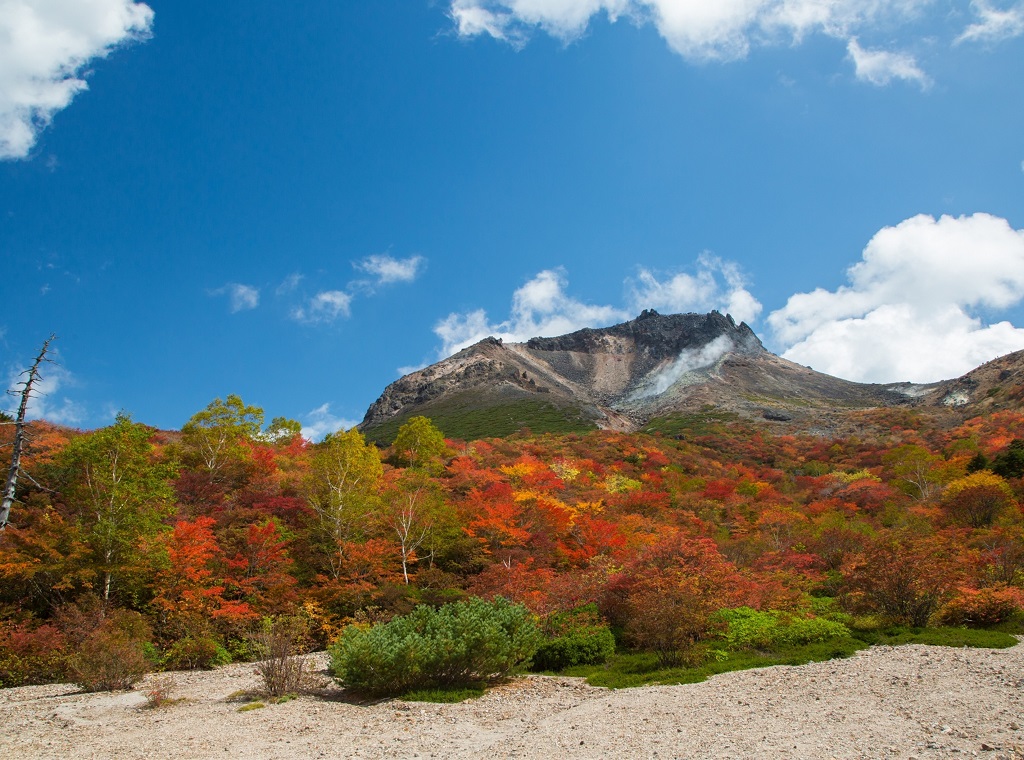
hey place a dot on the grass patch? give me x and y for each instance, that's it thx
(707, 422)
(466, 420)
(627, 669)
(251, 706)
(938, 637)
(240, 696)
(444, 695)
(282, 699)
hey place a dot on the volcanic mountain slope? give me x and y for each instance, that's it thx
(622, 377)
(994, 386)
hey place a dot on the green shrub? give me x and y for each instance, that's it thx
(578, 637)
(200, 653)
(460, 644)
(773, 630)
(591, 645)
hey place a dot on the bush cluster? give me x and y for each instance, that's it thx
(982, 608)
(112, 656)
(578, 637)
(459, 644)
(280, 642)
(196, 653)
(748, 628)
(30, 655)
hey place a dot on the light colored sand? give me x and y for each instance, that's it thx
(904, 702)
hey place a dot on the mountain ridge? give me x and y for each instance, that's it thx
(623, 376)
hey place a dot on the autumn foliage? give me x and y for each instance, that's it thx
(205, 534)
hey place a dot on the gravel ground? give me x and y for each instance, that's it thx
(886, 702)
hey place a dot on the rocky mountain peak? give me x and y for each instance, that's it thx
(657, 336)
(594, 369)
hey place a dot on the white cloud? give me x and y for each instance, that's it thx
(410, 368)
(699, 30)
(289, 284)
(880, 67)
(45, 402)
(325, 306)
(45, 46)
(909, 310)
(387, 269)
(321, 421)
(541, 307)
(240, 297)
(716, 285)
(994, 25)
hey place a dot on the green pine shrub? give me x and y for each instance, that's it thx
(577, 637)
(460, 644)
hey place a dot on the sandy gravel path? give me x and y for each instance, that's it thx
(886, 702)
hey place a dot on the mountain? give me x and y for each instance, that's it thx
(658, 368)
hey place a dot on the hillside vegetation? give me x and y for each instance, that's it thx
(704, 542)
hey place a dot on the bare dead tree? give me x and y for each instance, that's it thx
(25, 390)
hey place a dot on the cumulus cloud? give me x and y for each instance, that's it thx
(911, 308)
(696, 29)
(325, 306)
(541, 307)
(386, 269)
(240, 297)
(994, 25)
(880, 67)
(45, 47)
(717, 285)
(47, 402)
(322, 421)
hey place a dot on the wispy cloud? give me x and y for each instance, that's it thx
(322, 421)
(329, 305)
(387, 269)
(880, 67)
(240, 297)
(994, 25)
(326, 306)
(289, 284)
(909, 311)
(45, 48)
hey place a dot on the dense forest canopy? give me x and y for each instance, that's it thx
(196, 536)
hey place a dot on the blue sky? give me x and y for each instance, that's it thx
(294, 202)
